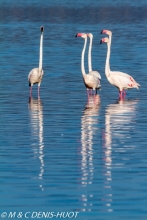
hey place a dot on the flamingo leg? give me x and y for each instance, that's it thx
(38, 91)
(121, 94)
(30, 91)
(87, 96)
(94, 96)
(87, 93)
(124, 93)
(94, 92)
(90, 91)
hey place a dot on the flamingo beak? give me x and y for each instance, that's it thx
(42, 29)
(79, 35)
(101, 41)
(104, 32)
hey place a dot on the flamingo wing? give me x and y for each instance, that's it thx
(97, 74)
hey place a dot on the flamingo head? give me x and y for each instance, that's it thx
(104, 40)
(83, 35)
(106, 32)
(90, 35)
(41, 29)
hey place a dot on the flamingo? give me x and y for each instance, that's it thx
(91, 81)
(36, 74)
(122, 81)
(90, 35)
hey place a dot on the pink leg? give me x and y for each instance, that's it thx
(88, 95)
(30, 91)
(38, 91)
(90, 91)
(94, 93)
(124, 93)
(120, 94)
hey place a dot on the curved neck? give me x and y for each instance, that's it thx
(41, 52)
(107, 65)
(89, 55)
(82, 58)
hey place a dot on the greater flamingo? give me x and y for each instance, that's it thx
(36, 74)
(91, 81)
(90, 35)
(121, 80)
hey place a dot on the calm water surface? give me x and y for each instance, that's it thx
(60, 153)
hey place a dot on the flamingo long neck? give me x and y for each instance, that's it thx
(107, 65)
(41, 51)
(110, 39)
(89, 55)
(82, 58)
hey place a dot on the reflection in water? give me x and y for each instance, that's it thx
(116, 117)
(36, 113)
(89, 121)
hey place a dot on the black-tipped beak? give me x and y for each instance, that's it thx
(76, 35)
(101, 41)
(102, 32)
(42, 29)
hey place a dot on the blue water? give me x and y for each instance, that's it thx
(60, 153)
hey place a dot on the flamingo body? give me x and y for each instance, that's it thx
(35, 76)
(122, 81)
(91, 81)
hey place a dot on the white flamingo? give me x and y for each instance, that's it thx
(121, 80)
(89, 58)
(36, 74)
(91, 81)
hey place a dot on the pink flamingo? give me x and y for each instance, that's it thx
(122, 81)
(91, 81)
(36, 74)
